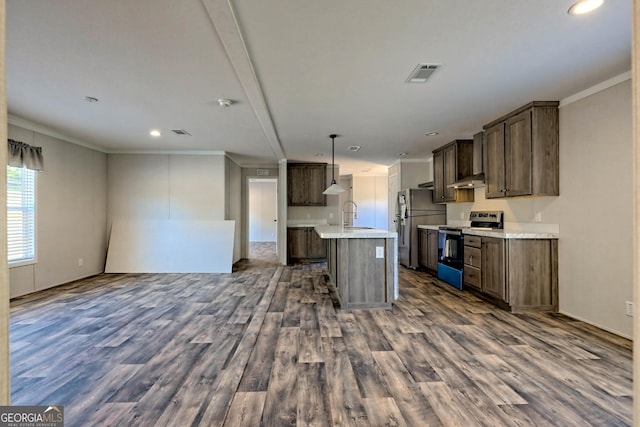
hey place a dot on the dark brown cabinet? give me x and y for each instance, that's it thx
(472, 272)
(451, 163)
(521, 154)
(428, 249)
(305, 184)
(304, 245)
(493, 268)
(516, 274)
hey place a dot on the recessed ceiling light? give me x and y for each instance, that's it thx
(403, 154)
(224, 102)
(155, 133)
(432, 133)
(90, 99)
(584, 6)
(318, 154)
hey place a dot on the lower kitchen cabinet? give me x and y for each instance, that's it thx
(516, 274)
(472, 271)
(304, 245)
(428, 249)
(493, 271)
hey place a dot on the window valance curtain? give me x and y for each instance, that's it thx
(24, 155)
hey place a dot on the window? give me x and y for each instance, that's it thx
(21, 215)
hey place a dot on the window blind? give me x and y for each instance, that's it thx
(20, 214)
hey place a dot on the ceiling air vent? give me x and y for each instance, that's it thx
(180, 132)
(353, 148)
(422, 72)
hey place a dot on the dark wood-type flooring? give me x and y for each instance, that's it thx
(267, 346)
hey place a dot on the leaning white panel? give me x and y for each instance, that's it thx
(157, 246)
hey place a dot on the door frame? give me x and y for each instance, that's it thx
(247, 239)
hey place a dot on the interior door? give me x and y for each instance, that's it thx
(263, 210)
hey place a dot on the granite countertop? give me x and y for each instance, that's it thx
(339, 232)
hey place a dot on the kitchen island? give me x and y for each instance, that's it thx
(362, 264)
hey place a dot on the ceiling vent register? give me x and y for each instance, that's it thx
(181, 132)
(422, 72)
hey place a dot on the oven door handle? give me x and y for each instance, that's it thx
(450, 233)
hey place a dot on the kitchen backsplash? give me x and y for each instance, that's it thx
(533, 214)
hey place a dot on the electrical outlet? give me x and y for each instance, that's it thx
(461, 215)
(330, 215)
(629, 308)
(80, 262)
(538, 217)
(379, 251)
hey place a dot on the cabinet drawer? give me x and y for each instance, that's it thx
(471, 276)
(474, 241)
(472, 257)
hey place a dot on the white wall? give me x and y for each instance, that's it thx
(176, 186)
(594, 212)
(370, 193)
(71, 210)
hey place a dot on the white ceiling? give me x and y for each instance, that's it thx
(299, 70)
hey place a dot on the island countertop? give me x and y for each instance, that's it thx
(340, 232)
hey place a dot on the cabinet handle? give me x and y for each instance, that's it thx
(470, 258)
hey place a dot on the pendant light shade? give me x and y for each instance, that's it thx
(334, 188)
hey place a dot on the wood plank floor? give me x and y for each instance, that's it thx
(267, 346)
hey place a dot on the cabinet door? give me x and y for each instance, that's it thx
(450, 173)
(316, 183)
(494, 174)
(305, 184)
(423, 249)
(493, 267)
(432, 250)
(297, 242)
(518, 155)
(438, 177)
(316, 247)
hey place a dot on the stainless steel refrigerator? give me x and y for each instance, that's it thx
(415, 207)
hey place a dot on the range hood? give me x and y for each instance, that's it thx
(477, 179)
(473, 181)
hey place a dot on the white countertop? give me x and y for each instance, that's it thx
(512, 231)
(511, 234)
(430, 227)
(308, 222)
(339, 232)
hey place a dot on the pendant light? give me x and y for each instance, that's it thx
(334, 188)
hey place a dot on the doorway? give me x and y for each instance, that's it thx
(263, 214)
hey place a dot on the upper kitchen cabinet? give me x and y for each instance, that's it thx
(451, 163)
(521, 152)
(305, 184)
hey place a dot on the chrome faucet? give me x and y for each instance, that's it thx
(354, 212)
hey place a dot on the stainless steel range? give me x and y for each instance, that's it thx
(451, 244)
